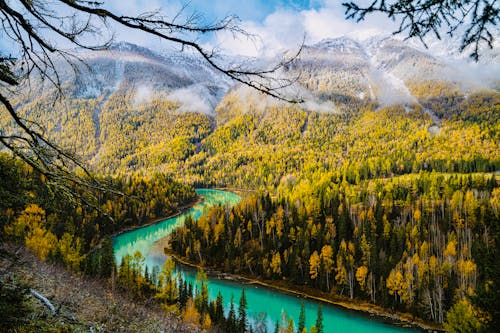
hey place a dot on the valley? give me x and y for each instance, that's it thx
(381, 189)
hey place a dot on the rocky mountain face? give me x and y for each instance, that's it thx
(380, 69)
(139, 72)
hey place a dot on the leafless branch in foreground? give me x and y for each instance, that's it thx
(33, 25)
(419, 18)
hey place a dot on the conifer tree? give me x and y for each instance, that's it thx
(242, 314)
(219, 310)
(231, 323)
(319, 320)
(302, 318)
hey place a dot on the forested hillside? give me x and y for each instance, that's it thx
(66, 229)
(358, 195)
(420, 243)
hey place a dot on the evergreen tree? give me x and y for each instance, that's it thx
(277, 327)
(319, 320)
(219, 310)
(242, 314)
(231, 323)
(302, 318)
(183, 292)
(107, 262)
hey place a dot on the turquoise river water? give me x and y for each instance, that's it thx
(260, 299)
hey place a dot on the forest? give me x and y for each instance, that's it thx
(412, 243)
(371, 203)
(68, 231)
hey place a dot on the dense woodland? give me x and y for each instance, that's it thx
(363, 202)
(385, 206)
(256, 144)
(419, 243)
(57, 228)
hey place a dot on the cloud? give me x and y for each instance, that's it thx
(285, 29)
(143, 95)
(193, 99)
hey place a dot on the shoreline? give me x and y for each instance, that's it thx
(180, 210)
(400, 319)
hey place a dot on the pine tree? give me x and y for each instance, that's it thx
(319, 320)
(219, 310)
(242, 314)
(107, 262)
(302, 318)
(231, 323)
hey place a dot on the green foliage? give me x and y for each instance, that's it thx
(59, 229)
(319, 320)
(302, 318)
(14, 306)
(242, 313)
(462, 318)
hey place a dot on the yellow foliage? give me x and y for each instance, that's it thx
(276, 264)
(191, 314)
(207, 322)
(361, 274)
(314, 261)
(70, 253)
(41, 241)
(450, 250)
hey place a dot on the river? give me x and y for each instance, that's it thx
(260, 299)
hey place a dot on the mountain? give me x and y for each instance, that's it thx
(129, 108)
(385, 70)
(131, 69)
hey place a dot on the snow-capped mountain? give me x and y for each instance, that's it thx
(137, 71)
(378, 68)
(385, 69)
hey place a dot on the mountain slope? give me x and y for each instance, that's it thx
(135, 109)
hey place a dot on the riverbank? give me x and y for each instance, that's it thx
(180, 210)
(359, 306)
(82, 303)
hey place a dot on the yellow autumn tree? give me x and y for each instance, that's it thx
(395, 283)
(361, 274)
(276, 264)
(41, 242)
(191, 314)
(30, 217)
(314, 262)
(207, 322)
(70, 249)
(327, 262)
(31, 225)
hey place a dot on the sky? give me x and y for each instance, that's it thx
(278, 25)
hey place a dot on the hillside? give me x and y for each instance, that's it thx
(133, 109)
(381, 187)
(84, 304)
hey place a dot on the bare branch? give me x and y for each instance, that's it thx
(418, 18)
(26, 23)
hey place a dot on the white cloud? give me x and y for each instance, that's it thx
(286, 29)
(192, 99)
(143, 95)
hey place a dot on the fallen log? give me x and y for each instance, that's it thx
(44, 300)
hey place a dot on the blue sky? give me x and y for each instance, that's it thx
(255, 10)
(278, 24)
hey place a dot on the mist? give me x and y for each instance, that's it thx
(194, 99)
